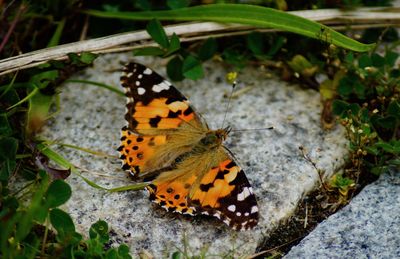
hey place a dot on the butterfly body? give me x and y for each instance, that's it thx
(168, 143)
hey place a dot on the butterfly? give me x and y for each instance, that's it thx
(170, 145)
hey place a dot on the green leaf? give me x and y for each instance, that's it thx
(149, 51)
(395, 73)
(349, 58)
(395, 162)
(258, 16)
(341, 108)
(372, 150)
(111, 254)
(378, 170)
(354, 109)
(88, 57)
(394, 109)
(192, 68)
(174, 69)
(359, 89)
(345, 87)
(6, 169)
(235, 57)
(276, 46)
(57, 194)
(176, 255)
(391, 58)
(208, 49)
(57, 158)
(364, 116)
(174, 45)
(392, 147)
(157, 33)
(299, 64)
(5, 128)
(256, 43)
(8, 148)
(387, 122)
(62, 222)
(377, 60)
(123, 250)
(364, 61)
(10, 96)
(39, 106)
(99, 230)
(176, 4)
(83, 59)
(43, 79)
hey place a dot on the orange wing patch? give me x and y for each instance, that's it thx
(172, 195)
(224, 192)
(153, 103)
(159, 114)
(215, 185)
(136, 150)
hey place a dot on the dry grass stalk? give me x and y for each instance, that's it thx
(338, 19)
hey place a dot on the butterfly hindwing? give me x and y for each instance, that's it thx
(211, 184)
(224, 192)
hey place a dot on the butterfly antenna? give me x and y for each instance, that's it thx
(229, 102)
(267, 128)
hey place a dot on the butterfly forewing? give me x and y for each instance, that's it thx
(158, 116)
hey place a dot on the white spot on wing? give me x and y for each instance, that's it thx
(147, 71)
(227, 221)
(140, 76)
(247, 214)
(232, 208)
(244, 194)
(238, 214)
(164, 85)
(129, 74)
(217, 215)
(128, 100)
(254, 209)
(137, 83)
(141, 91)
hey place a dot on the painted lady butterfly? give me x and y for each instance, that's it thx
(167, 142)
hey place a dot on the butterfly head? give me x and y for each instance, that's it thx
(214, 138)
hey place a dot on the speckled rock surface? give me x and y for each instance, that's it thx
(369, 227)
(91, 117)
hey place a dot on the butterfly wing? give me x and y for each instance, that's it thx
(162, 125)
(208, 183)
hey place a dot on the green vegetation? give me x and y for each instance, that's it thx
(360, 89)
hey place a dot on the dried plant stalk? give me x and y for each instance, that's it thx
(338, 19)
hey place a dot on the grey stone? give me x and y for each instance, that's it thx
(91, 117)
(369, 227)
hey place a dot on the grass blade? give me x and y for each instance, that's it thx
(245, 14)
(108, 87)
